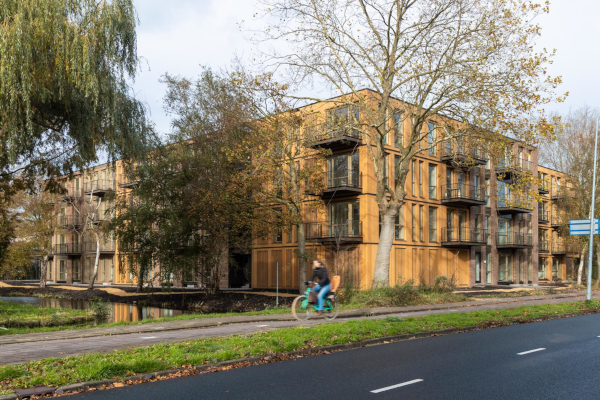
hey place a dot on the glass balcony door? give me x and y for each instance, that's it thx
(504, 267)
(344, 218)
(343, 170)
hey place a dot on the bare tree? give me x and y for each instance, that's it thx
(470, 61)
(573, 154)
(87, 221)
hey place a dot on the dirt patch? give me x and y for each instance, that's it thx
(177, 299)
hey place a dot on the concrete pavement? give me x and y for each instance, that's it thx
(22, 348)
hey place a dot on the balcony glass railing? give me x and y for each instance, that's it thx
(512, 201)
(99, 185)
(460, 152)
(67, 248)
(514, 164)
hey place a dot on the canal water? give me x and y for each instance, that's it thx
(117, 312)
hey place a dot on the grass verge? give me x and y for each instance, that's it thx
(27, 316)
(122, 363)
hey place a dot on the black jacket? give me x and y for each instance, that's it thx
(320, 273)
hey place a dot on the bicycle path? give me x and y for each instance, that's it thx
(29, 347)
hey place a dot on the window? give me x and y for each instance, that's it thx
(432, 224)
(420, 178)
(542, 268)
(414, 223)
(278, 237)
(50, 271)
(386, 161)
(399, 231)
(421, 223)
(431, 138)
(412, 177)
(343, 116)
(76, 270)
(556, 269)
(432, 181)
(504, 267)
(399, 125)
(344, 218)
(290, 238)
(396, 166)
(343, 170)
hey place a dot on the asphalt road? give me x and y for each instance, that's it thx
(558, 359)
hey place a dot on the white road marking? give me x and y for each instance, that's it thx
(149, 337)
(396, 386)
(261, 326)
(531, 351)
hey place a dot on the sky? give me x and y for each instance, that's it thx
(180, 36)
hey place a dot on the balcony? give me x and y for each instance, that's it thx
(90, 247)
(559, 247)
(72, 193)
(511, 204)
(543, 217)
(99, 187)
(342, 183)
(555, 221)
(460, 156)
(463, 237)
(543, 246)
(67, 249)
(69, 221)
(544, 187)
(335, 233)
(125, 182)
(463, 195)
(513, 240)
(333, 137)
(513, 166)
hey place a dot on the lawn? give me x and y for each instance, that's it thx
(122, 363)
(26, 316)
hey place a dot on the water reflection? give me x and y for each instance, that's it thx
(118, 312)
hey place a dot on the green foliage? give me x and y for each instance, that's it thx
(122, 363)
(99, 307)
(65, 70)
(190, 204)
(14, 315)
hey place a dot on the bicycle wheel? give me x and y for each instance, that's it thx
(301, 309)
(334, 308)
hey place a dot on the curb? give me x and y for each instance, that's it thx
(62, 390)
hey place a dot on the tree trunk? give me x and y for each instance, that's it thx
(140, 280)
(381, 273)
(302, 257)
(95, 274)
(580, 269)
(43, 271)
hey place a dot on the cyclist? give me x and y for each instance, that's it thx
(323, 285)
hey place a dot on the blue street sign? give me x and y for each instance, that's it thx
(583, 226)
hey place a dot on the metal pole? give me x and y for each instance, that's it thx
(592, 220)
(277, 287)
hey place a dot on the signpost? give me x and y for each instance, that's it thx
(583, 227)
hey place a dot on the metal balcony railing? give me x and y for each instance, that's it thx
(67, 248)
(463, 192)
(544, 246)
(544, 187)
(543, 216)
(99, 185)
(464, 235)
(514, 164)
(344, 178)
(514, 239)
(68, 221)
(340, 231)
(90, 247)
(327, 134)
(125, 182)
(511, 201)
(460, 153)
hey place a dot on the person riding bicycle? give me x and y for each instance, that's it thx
(323, 286)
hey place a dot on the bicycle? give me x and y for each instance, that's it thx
(302, 309)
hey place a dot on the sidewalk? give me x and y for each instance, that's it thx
(28, 347)
(242, 319)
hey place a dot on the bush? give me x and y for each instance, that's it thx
(401, 294)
